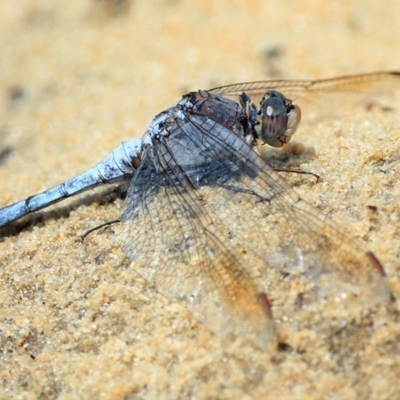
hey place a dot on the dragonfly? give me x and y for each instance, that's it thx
(198, 164)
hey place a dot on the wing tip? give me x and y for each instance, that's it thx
(376, 263)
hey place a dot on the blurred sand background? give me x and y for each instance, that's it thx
(79, 77)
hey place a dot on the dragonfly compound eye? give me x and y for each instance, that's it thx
(279, 119)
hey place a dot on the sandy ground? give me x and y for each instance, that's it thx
(79, 77)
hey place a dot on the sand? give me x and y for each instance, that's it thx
(79, 77)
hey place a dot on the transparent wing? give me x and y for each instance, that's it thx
(325, 97)
(290, 235)
(184, 231)
(180, 247)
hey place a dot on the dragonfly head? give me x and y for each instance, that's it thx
(278, 117)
